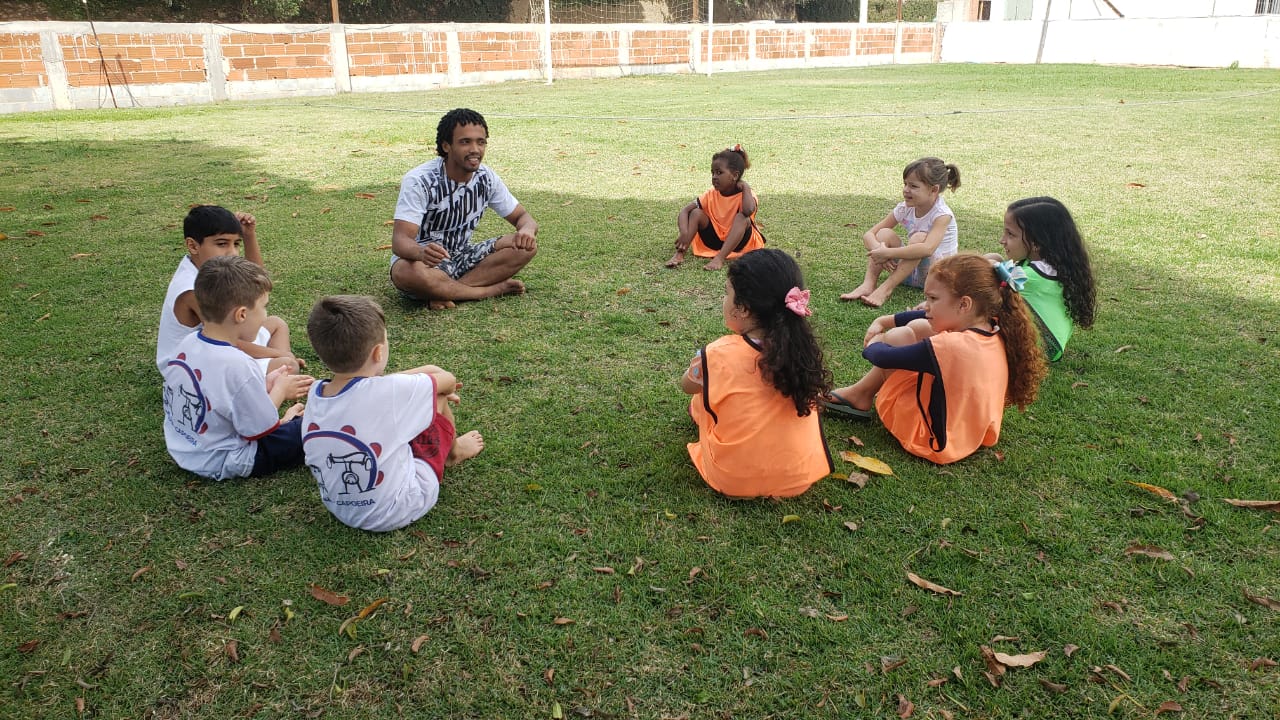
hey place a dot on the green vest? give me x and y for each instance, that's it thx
(1044, 295)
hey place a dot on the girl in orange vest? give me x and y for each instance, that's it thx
(721, 224)
(755, 392)
(944, 375)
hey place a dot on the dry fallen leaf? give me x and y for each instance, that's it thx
(994, 667)
(15, 557)
(232, 649)
(853, 526)
(856, 440)
(1026, 660)
(905, 707)
(1053, 687)
(604, 570)
(1155, 490)
(34, 233)
(417, 643)
(327, 597)
(1069, 649)
(1268, 505)
(99, 217)
(370, 608)
(365, 195)
(1150, 551)
(1262, 663)
(869, 464)
(931, 587)
(756, 632)
(858, 480)
(139, 572)
(889, 664)
(1167, 706)
(562, 621)
(1266, 602)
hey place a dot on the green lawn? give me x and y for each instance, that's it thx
(142, 592)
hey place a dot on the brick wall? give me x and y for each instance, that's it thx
(132, 59)
(779, 44)
(875, 41)
(21, 63)
(595, 48)
(397, 53)
(833, 42)
(729, 45)
(164, 64)
(276, 56)
(487, 51)
(660, 47)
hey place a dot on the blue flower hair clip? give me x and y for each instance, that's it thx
(1012, 275)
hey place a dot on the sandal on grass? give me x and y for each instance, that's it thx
(835, 404)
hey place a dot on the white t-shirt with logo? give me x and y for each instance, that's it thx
(216, 407)
(357, 447)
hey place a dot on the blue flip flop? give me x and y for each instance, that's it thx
(839, 406)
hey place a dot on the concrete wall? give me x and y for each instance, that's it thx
(1196, 42)
(64, 65)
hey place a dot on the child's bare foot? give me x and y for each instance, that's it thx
(465, 447)
(875, 299)
(715, 264)
(441, 305)
(676, 260)
(858, 293)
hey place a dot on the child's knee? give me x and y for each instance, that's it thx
(888, 237)
(900, 336)
(917, 237)
(920, 329)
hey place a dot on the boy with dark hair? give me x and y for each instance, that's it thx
(377, 444)
(222, 414)
(212, 231)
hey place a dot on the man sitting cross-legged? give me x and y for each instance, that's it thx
(441, 201)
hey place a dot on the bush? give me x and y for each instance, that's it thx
(877, 10)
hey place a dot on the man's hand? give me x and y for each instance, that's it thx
(522, 240)
(433, 254)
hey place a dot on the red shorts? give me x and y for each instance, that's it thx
(433, 444)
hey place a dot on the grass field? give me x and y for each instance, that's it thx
(579, 567)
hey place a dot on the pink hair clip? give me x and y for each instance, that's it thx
(798, 302)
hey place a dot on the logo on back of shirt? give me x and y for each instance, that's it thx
(185, 405)
(344, 464)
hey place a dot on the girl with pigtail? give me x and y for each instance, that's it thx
(721, 224)
(944, 375)
(755, 392)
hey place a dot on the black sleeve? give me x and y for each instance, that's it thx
(906, 316)
(917, 356)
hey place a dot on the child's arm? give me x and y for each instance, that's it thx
(283, 385)
(877, 329)
(446, 383)
(691, 381)
(749, 202)
(249, 231)
(919, 250)
(888, 223)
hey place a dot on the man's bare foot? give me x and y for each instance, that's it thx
(877, 298)
(676, 260)
(715, 264)
(508, 287)
(465, 447)
(858, 293)
(441, 305)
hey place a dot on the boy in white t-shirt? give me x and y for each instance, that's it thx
(221, 413)
(377, 444)
(211, 231)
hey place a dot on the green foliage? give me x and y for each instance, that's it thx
(574, 388)
(878, 11)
